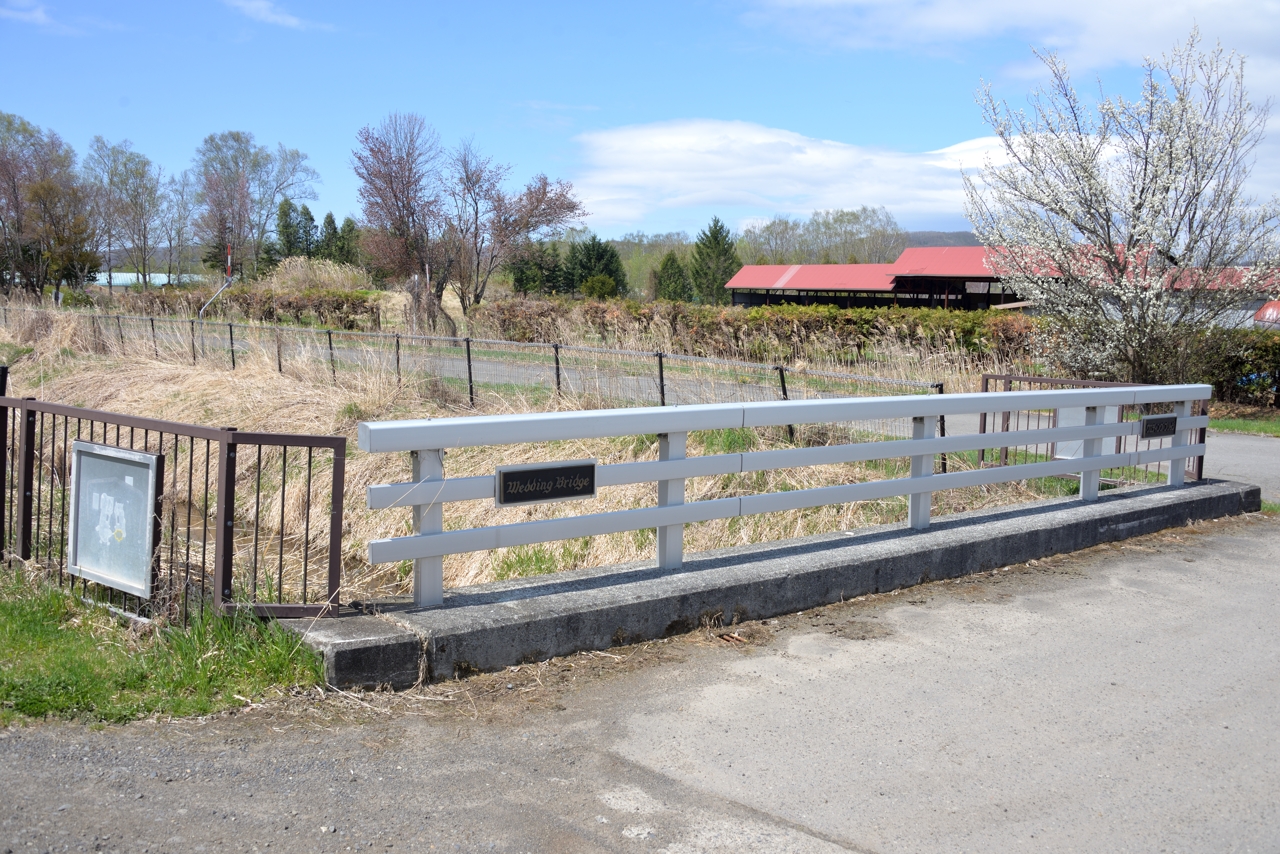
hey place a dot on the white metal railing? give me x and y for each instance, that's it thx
(426, 440)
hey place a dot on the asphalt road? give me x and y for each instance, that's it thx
(1122, 699)
(1251, 459)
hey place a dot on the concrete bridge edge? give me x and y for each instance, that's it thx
(491, 626)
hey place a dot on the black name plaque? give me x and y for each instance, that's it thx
(1159, 426)
(544, 483)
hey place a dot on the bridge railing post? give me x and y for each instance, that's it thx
(671, 446)
(1089, 478)
(919, 503)
(428, 572)
(1178, 465)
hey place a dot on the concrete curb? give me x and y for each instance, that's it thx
(360, 650)
(490, 626)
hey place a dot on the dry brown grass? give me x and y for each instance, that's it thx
(298, 274)
(78, 367)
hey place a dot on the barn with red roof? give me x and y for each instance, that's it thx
(943, 277)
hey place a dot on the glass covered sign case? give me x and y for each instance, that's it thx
(115, 516)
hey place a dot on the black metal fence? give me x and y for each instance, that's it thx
(250, 520)
(1013, 420)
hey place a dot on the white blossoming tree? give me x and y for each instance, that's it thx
(1128, 222)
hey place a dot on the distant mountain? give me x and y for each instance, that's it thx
(942, 238)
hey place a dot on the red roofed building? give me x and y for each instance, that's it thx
(944, 276)
(1268, 317)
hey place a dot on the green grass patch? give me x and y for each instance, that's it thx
(541, 559)
(1270, 507)
(1257, 426)
(60, 657)
(10, 353)
(736, 440)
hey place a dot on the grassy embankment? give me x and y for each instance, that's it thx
(61, 657)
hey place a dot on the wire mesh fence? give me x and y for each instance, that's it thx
(475, 371)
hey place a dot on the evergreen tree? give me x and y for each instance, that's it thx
(328, 248)
(308, 234)
(537, 271)
(601, 287)
(714, 261)
(288, 242)
(593, 257)
(348, 242)
(673, 279)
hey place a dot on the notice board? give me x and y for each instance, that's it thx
(115, 516)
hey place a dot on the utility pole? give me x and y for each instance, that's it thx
(225, 284)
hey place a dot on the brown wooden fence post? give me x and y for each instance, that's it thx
(225, 538)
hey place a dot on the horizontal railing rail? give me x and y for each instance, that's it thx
(426, 440)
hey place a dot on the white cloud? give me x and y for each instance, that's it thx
(1089, 34)
(266, 12)
(1092, 32)
(633, 172)
(27, 13)
(38, 15)
(662, 172)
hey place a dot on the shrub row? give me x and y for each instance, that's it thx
(341, 309)
(765, 334)
(1245, 367)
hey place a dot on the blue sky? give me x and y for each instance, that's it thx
(661, 114)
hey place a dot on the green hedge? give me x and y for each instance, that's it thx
(765, 334)
(1245, 366)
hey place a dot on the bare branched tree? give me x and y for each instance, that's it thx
(240, 185)
(859, 235)
(437, 221)
(140, 206)
(176, 223)
(398, 164)
(1129, 222)
(105, 166)
(489, 226)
